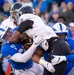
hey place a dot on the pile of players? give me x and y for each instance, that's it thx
(32, 47)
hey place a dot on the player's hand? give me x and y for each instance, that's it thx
(58, 59)
(44, 45)
(37, 40)
(49, 67)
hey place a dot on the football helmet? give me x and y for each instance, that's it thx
(14, 10)
(60, 29)
(5, 33)
(25, 9)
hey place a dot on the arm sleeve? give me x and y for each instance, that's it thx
(18, 57)
(70, 58)
(25, 25)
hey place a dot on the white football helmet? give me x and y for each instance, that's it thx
(60, 28)
(3, 32)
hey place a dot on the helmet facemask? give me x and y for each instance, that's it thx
(13, 11)
(7, 34)
(15, 16)
(62, 35)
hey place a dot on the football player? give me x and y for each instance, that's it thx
(61, 30)
(19, 59)
(33, 25)
(12, 20)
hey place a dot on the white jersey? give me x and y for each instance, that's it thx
(39, 27)
(9, 23)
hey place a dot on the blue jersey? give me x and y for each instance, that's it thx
(70, 41)
(10, 50)
(70, 58)
(69, 34)
(70, 64)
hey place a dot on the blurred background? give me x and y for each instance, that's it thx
(50, 10)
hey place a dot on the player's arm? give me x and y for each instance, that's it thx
(37, 55)
(18, 57)
(25, 25)
(40, 60)
(70, 58)
(38, 52)
(59, 59)
(37, 58)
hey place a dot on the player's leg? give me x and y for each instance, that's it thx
(58, 47)
(24, 72)
(37, 69)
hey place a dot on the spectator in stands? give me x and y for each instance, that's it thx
(37, 10)
(63, 20)
(71, 26)
(54, 8)
(66, 13)
(43, 6)
(69, 1)
(49, 4)
(27, 3)
(53, 19)
(70, 6)
(6, 8)
(10, 2)
(35, 3)
(1, 4)
(18, 0)
(4, 16)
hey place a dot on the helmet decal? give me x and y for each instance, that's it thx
(60, 26)
(2, 29)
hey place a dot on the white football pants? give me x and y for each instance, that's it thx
(36, 69)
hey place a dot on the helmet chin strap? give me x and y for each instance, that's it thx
(15, 20)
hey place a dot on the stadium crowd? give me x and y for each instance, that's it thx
(52, 12)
